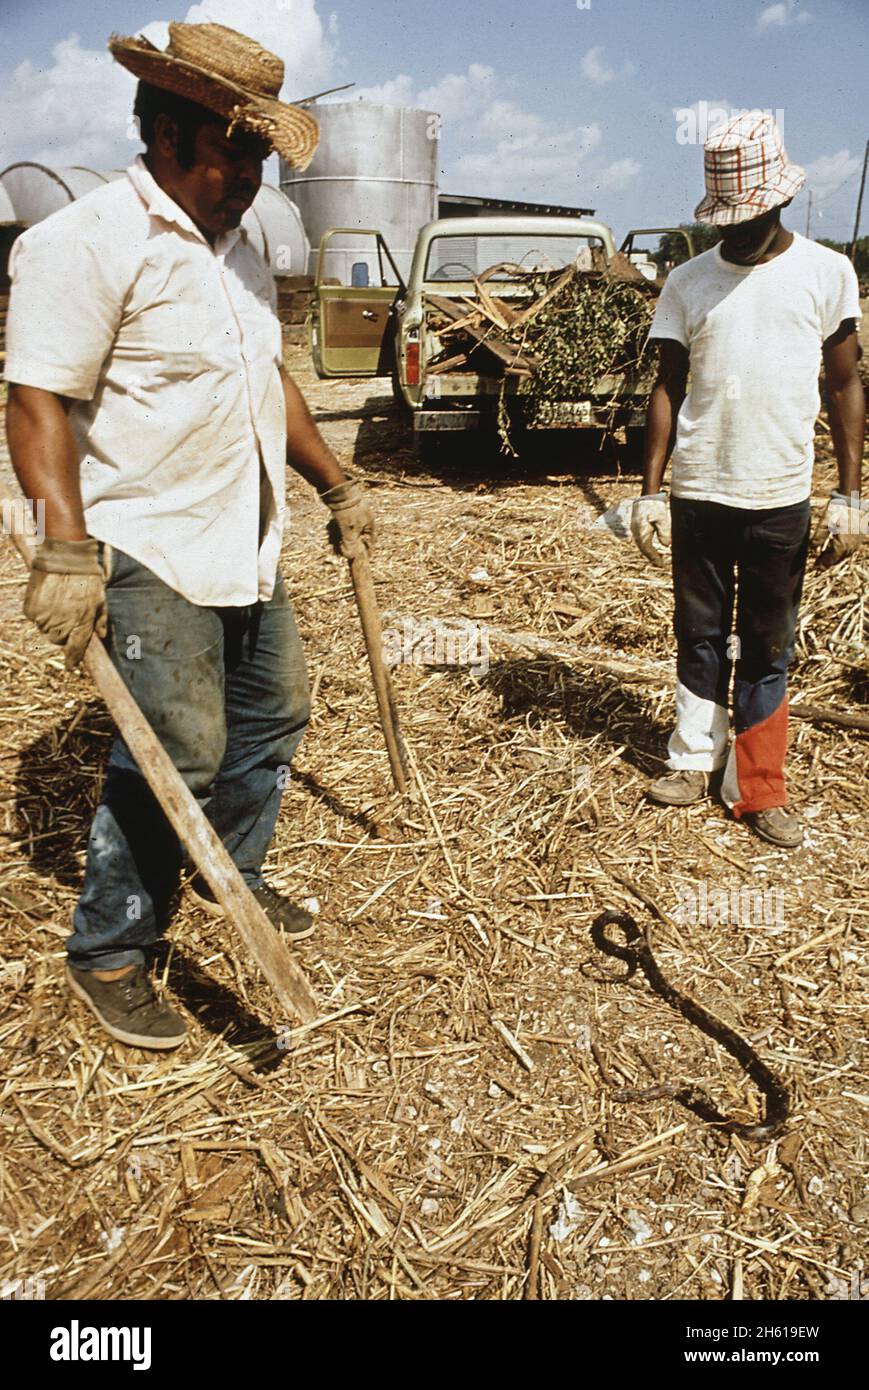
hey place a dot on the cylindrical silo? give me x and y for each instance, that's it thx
(375, 166)
(7, 210)
(274, 226)
(30, 192)
(37, 191)
(10, 227)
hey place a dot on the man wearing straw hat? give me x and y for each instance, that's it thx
(751, 320)
(149, 408)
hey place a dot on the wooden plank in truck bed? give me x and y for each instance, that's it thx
(486, 339)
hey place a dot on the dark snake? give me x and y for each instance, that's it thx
(637, 954)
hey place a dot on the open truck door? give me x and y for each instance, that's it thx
(644, 259)
(352, 326)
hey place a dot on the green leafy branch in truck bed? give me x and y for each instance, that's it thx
(595, 328)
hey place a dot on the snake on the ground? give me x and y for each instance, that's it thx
(638, 954)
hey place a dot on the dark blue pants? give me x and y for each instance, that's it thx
(753, 562)
(226, 692)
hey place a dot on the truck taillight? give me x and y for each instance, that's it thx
(411, 364)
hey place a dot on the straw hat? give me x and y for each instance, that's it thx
(228, 73)
(747, 170)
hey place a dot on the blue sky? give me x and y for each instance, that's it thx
(553, 100)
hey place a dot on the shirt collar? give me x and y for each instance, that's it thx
(159, 204)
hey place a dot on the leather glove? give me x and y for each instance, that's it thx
(352, 524)
(650, 522)
(66, 595)
(842, 528)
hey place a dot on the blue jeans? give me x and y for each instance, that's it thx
(226, 692)
(753, 562)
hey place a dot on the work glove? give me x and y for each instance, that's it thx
(842, 528)
(66, 595)
(650, 523)
(352, 524)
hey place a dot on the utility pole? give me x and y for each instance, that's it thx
(809, 215)
(853, 251)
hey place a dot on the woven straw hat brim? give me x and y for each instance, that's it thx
(292, 131)
(727, 212)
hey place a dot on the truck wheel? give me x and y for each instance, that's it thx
(632, 456)
(428, 449)
(401, 403)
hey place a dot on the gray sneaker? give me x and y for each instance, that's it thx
(777, 825)
(296, 921)
(680, 788)
(128, 1008)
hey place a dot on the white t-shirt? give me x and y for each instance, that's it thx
(745, 433)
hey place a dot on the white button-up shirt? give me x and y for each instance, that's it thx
(171, 352)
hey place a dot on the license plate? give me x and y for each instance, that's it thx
(562, 413)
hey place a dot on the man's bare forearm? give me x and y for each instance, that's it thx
(847, 415)
(846, 403)
(660, 430)
(45, 458)
(665, 402)
(307, 451)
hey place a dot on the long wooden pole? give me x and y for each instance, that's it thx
(853, 252)
(363, 588)
(286, 978)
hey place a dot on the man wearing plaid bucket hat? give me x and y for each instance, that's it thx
(149, 407)
(752, 320)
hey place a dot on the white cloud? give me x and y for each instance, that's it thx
(504, 118)
(396, 91)
(76, 109)
(827, 174)
(593, 67)
(461, 96)
(457, 96)
(73, 111)
(781, 16)
(615, 177)
(490, 144)
(538, 166)
(291, 28)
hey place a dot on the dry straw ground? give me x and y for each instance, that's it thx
(451, 1132)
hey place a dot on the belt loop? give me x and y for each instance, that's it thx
(107, 558)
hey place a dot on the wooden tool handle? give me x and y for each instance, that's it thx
(204, 846)
(363, 588)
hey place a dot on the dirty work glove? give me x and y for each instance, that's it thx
(842, 528)
(66, 595)
(650, 522)
(352, 524)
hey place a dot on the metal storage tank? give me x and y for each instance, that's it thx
(375, 166)
(9, 230)
(274, 226)
(37, 191)
(7, 211)
(273, 223)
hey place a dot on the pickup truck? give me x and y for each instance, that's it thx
(391, 328)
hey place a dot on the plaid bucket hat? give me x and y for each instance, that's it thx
(747, 170)
(228, 73)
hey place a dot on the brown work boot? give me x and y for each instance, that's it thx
(128, 1009)
(680, 788)
(779, 826)
(297, 922)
